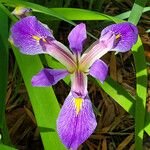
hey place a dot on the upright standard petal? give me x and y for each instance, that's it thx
(48, 77)
(27, 33)
(77, 37)
(99, 70)
(126, 35)
(76, 121)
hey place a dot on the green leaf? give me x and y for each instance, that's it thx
(43, 100)
(5, 147)
(65, 14)
(126, 15)
(3, 75)
(141, 78)
(141, 93)
(137, 11)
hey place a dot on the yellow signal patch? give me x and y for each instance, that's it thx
(36, 38)
(118, 36)
(78, 104)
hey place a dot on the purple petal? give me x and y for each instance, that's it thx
(108, 40)
(76, 121)
(48, 77)
(126, 35)
(77, 37)
(27, 33)
(99, 70)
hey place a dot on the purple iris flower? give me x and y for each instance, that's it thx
(76, 120)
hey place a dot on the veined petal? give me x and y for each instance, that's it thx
(98, 49)
(76, 121)
(126, 35)
(77, 37)
(27, 33)
(59, 52)
(48, 77)
(99, 70)
(32, 37)
(79, 83)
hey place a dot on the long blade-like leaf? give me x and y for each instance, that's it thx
(5, 147)
(4, 55)
(141, 77)
(43, 101)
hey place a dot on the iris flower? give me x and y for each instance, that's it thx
(76, 120)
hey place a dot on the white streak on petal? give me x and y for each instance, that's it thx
(62, 54)
(79, 83)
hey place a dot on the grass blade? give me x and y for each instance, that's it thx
(65, 14)
(43, 101)
(137, 11)
(141, 92)
(5, 147)
(4, 55)
(126, 15)
(141, 77)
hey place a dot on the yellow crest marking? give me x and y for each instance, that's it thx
(78, 104)
(118, 36)
(38, 38)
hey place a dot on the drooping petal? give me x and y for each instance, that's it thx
(79, 83)
(126, 35)
(32, 37)
(48, 77)
(99, 70)
(77, 37)
(96, 51)
(27, 33)
(76, 121)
